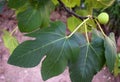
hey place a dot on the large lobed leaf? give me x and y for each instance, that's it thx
(90, 60)
(51, 42)
(84, 59)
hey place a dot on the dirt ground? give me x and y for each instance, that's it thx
(9, 73)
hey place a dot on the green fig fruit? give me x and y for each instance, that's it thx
(103, 18)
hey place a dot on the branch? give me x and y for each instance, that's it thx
(70, 11)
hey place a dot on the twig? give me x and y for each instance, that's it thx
(70, 11)
(86, 33)
(13, 31)
(100, 28)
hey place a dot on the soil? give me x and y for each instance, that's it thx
(9, 73)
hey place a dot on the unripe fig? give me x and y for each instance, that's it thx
(103, 18)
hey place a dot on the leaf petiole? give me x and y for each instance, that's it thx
(13, 31)
(78, 27)
(100, 28)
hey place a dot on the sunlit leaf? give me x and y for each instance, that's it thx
(71, 3)
(10, 42)
(99, 3)
(72, 23)
(55, 2)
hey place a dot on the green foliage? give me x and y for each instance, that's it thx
(29, 18)
(117, 65)
(71, 3)
(30, 13)
(73, 22)
(110, 51)
(90, 60)
(113, 11)
(96, 4)
(10, 42)
(16, 3)
(56, 47)
(55, 2)
(84, 55)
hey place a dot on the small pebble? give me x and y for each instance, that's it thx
(104, 76)
(2, 77)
